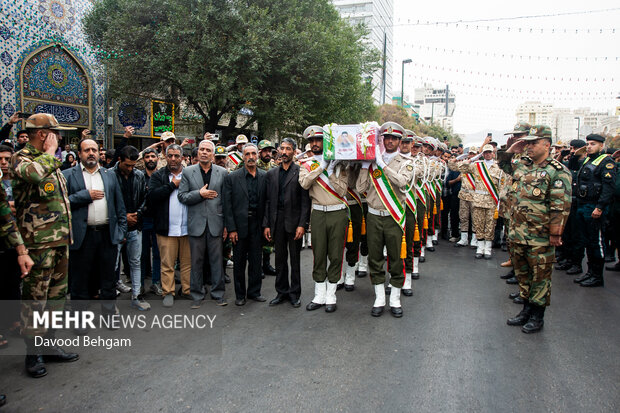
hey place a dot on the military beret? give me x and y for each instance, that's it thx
(313, 132)
(577, 143)
(595, 137)
(392, 129)
(264, 144)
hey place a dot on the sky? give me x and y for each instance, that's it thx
(492, 70)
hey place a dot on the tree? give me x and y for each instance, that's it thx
(287, 63)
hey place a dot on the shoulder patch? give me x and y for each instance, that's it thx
(609, 165)
(558, 183)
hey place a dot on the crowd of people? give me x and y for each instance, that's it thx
(74, 220)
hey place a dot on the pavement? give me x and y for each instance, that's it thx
(452, 351)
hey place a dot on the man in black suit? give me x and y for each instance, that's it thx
(99, 224)
(244, 205)
(287, 212)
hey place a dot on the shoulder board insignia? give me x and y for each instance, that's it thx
(557, 165)
(609, 166)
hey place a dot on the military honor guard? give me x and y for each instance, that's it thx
(327, 184)
(542, 198)
(385, 182)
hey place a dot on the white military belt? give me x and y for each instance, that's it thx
(381, 213)
(328, 208)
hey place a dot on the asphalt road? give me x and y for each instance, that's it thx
(452, 351)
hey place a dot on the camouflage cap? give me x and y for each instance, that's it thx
(520, 128)
(538, 132)
(488, 147)
(221, 151)
(313, 132)
(264, 144)
(45, 121)
(167, 136)
(473, 149)
(409, 136)
(241, 139)
(392, 129)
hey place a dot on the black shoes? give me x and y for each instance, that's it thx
(563, 266)
(349, 288)
(431, 249)
(478, 255)
(582, 278)
(518, 300)
(313, 306)
(35, 366)
(407, 292)
(507, 276)
(514, 295)
(376, 311)
(296, 302)
(422, 259)
(258, 299)
(58, 355)
(522, 318)
(574, 270)
(278, 300)
(594, 281)
(615, 267)
(330, 308)
(512, 281)
(240, 301)
(415, 276)
(536, 321)
(396, 311)
(339, 287)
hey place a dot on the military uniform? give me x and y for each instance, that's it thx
(328, 219)
(382, 229)
(235, 157)
(541, 206)
(595, 189)
(161, 156)
(43, 216)
(466, 204)
(9, 234)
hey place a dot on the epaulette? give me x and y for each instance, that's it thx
(556, 164)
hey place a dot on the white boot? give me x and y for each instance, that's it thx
(308, 240)
(463, 240)
(416, 268)
(330, 300)
(341, 280)
(480, 249)
(435, 237)
(362, 265)
(429, 241)
(474, 241)
(422, 259)
(320, 291)
(349, 278)
(385, 251)
(488, 246)
(379, 304)
(407, 286)
(395, 307)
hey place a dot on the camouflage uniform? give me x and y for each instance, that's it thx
(540, 207)
(466, 197)
(9, 234)
(484, 205)
(44, 219)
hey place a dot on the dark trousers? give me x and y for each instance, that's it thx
(450, 213)
(589, 238)
(286, 245)
(248, 249)
(9, 287)
(149, 242)
(353, 248)
(206, 250)
(93, 264)
(569, 238)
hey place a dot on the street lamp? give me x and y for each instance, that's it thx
(402, 84)
(578, 125)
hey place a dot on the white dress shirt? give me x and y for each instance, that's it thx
(98, 209)
(177, 212)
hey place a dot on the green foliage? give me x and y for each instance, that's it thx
(292, 62)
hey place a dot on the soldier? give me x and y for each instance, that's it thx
(420, 210)
(235, 153)
(595, 189)
(327, 184)
(385, 182)
(487, 175)
(542, 188)
(266, 163)
(166, 139)
(221, 156)
(44, 219)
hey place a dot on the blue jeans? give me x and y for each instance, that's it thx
(134, 252)
(149, 241)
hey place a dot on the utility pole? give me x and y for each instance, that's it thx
(402, 84)
(447, 98)
(384, 69)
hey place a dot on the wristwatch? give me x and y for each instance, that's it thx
(24, 252)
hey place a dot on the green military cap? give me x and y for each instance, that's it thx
(221, 151)
(392, 129)
(313, 132)
(44, 121)
(264, 144)
(520, 128)
(409, 136)
(538, 132)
